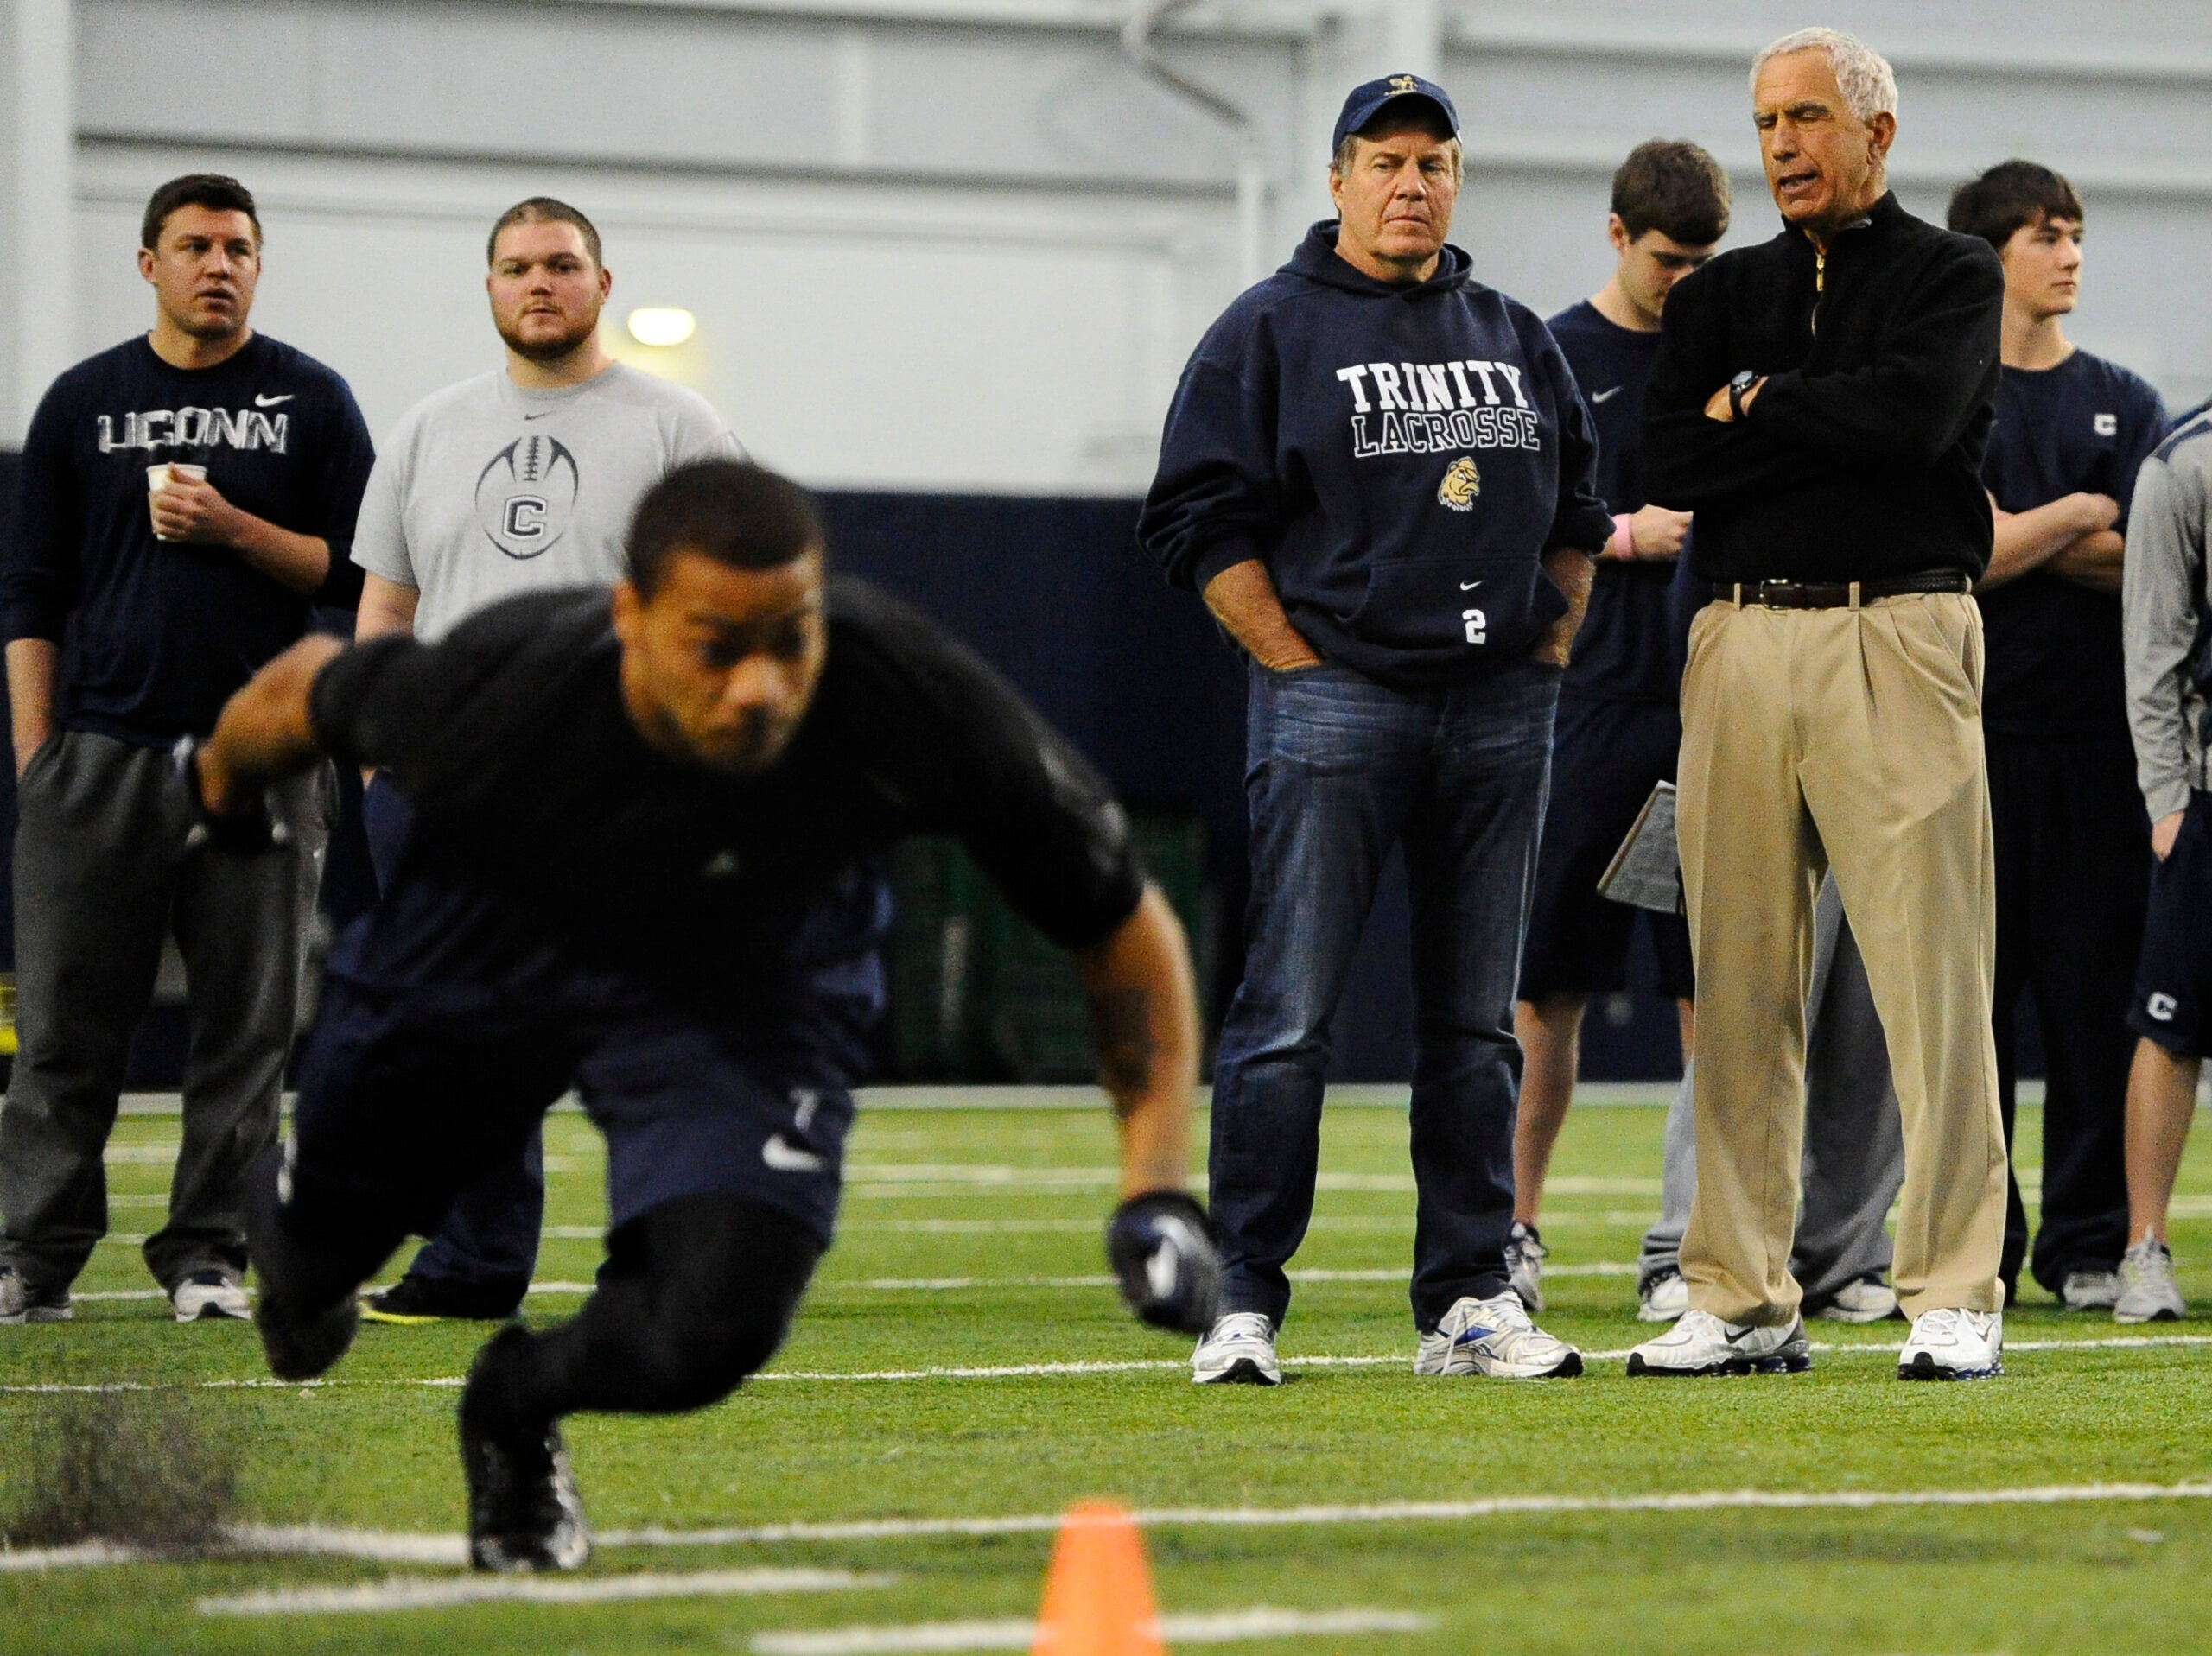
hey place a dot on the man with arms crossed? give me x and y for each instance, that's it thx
(1822, 402)
(516, 480)
(646, 861)
(171, 611)
(2166, 611)
(2073, 861)
(1618, 734)
(1378, 474)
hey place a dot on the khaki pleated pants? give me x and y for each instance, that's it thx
(1846, 739)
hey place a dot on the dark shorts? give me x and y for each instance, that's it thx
(2173, 982)
(411, 1089)
(1606, 758)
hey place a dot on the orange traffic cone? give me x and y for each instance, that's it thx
(1098, 1591)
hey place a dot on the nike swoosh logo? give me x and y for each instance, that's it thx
(787, 1158)
(1469, 586)
(547, 414)
(1605, 396)
(260, 402)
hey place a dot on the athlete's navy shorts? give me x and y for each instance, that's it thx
(2173, 981)
(1606, 758)
(411, 1086)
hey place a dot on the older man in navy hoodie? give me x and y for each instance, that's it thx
(1378, 472)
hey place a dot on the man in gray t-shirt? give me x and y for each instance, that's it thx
(514, 481)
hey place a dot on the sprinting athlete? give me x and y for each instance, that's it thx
(645, 863)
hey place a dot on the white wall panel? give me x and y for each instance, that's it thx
(963, 244)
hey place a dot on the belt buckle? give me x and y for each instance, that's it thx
(1772, 592)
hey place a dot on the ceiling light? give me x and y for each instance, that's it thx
(662, 325)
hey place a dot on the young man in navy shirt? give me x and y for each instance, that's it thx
(2073, 857)
(175, 585)
(1379, 474)
(1618, 726)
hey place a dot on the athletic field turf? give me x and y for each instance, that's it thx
(963, 1370)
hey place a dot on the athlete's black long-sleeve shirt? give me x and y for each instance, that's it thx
(165, 632)
(562, 836)
(1862, 455)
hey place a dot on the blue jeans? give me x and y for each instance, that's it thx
(487, 1245)
(1339, 769)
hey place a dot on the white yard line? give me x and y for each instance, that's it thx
(432, 1549)
(438, 1592)
(1025, 1371)
(1218, 1627)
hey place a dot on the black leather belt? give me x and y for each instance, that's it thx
(1838, 594)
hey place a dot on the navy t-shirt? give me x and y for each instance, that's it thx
(2055, 667)
(1626, 650)
(163, 632)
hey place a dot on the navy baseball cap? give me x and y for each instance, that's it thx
(1369, 101)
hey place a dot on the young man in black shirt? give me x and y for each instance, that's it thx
(2073, 848)
(646, 862)
(1617, 727)
(187, 499)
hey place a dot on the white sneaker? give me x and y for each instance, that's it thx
(1700, 1343)
(1869, 1299)
(21, 1303)
(1663, 1298)
(1494, 1337)
(210, 1294)
(2147, 1291)
(2090, 1291)
(1240, 1351)
(1525, 1254)
(1951, 1344)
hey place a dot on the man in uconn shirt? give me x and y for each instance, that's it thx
(2073, 846)
(1379, 473)
(516, 480)
(170, 608)
(1618, 726)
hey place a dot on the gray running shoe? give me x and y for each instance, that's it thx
(2148, 1292)
(1525, 1254)
(2090, 1291)
(1866, 1299)
(21, 1303)
(1663, 1298)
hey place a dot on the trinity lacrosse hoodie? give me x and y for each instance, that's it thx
(1399, 456)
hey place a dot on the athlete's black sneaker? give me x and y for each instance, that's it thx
(524, 1514)
(414, 1299)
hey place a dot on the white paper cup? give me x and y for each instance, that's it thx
(158, 478)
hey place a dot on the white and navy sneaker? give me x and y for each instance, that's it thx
(1239, 1351)
(1525, 1254)
(1863, 1299)
(1700, 1343)
(21, 1303)
(210, 1293)
(2089, 1291)
(1663, 1298)
(1494, 1337)
(1951, 1344)
(2148, 1292)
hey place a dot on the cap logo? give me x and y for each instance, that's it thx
(1403, 84)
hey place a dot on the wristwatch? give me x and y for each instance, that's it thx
(1737, 387)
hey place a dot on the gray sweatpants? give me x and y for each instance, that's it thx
(100, 877)
(1854, 1139)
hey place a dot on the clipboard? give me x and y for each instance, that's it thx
(1646, 873)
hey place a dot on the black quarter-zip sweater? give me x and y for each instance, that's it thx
(1861, 456)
